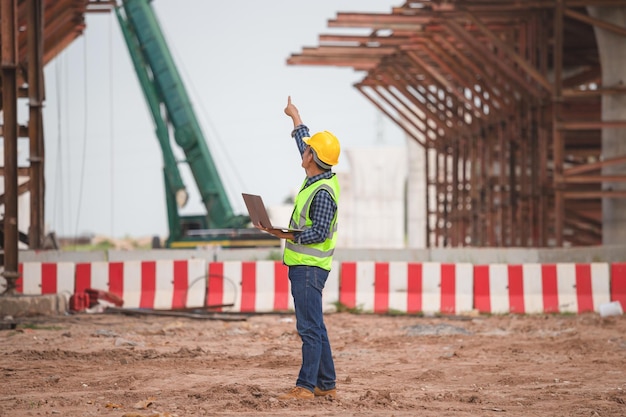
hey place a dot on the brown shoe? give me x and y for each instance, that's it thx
(297, 393)
(332, 393)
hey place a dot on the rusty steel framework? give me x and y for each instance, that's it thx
(505, 98)
(32, 33)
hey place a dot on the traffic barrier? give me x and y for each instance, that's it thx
(429, 287)
(380, 287)
(247, 287)
(618, 283)
(541, 288)
(38, 278)
(164, 284)
(261, 286)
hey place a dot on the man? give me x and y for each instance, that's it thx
(309, 254)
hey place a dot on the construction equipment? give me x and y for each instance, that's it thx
(173, 114)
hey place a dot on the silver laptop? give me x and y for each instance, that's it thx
(258, 213)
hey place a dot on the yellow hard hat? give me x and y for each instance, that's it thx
(326, 147)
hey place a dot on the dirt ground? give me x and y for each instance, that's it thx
(120, 365)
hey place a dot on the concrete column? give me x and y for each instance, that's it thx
(612, 48)
(416, 192)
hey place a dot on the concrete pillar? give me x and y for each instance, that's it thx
(612, 48)
(416, 192)
(378, 175)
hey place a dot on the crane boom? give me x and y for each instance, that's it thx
(173, 113)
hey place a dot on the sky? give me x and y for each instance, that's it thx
(103, 162)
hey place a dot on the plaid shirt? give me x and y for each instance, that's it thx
(323, 207)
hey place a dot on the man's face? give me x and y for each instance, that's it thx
(307, 157)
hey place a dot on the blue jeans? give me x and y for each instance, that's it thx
(318, 368)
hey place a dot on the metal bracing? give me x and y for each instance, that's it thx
(505, 97)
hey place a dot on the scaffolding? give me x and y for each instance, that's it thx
(32, 33)
(505, 98)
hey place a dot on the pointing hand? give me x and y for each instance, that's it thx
(291, 110)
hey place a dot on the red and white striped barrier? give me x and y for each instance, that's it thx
(541, 288)
(163, 284)
(429, 287)
(618, 283)
(380, 287)
(261, 287)
(248, 287)
(38, 278)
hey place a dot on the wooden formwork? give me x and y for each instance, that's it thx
(505, 98)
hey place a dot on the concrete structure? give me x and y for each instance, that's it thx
(613, 58)
(416, 196)
(20, 306)
(372, 211)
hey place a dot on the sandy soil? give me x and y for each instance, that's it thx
(119, 365)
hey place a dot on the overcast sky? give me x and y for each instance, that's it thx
(103, 161)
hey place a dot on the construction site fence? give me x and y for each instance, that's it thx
(383, 287)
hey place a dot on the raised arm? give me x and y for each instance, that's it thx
(292, 111)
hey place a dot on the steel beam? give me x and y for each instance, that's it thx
(9, 61)
(35, 125)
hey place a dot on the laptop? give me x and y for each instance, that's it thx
(258, 213)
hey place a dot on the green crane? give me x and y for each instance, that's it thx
(173, 114)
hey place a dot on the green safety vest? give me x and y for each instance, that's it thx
(316, 254)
